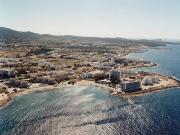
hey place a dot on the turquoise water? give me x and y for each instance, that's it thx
(90, 109)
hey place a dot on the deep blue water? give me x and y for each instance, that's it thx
(92, 110)
(167, 58)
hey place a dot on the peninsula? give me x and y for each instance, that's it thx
(31, 62)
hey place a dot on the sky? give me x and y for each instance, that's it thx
(100, 18)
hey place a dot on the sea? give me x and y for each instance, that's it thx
(91, 110)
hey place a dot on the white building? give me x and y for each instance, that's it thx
(112, 61)
(93, 74)
(128, 72)
(150, 80)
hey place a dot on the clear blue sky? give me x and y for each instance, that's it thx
(105, 18)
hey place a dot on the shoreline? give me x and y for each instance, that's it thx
(173, 83)
(145, 66)
(170, 82)
(42, 88)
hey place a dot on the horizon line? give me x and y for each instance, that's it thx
(51, 34)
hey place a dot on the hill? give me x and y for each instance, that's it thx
(9, 34)
(12, 36)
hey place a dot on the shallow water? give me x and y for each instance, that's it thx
(92, 110)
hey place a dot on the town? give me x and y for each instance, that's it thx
(89, 67)
(37, 66)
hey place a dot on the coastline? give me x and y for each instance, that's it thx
(176, 83)
(171, 83)
(145, 66)
(42, 88)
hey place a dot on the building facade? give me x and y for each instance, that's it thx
(115, 75)
(6, 73)
(150, 80)
(130, 86)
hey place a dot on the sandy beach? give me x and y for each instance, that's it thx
(7, 98)
(84, 82)
(166, 82)
(88, 82)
